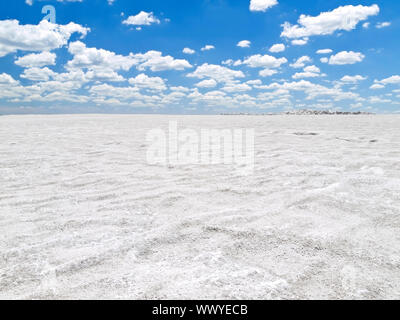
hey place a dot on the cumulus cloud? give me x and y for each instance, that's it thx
(42, 37)
(130, 95)
(343, 18)
(263, 61)
(324, 51)
(267, 62)
(210, 83)
(236, 87)
(301, 62)
(256, 82)
(38, 74)
(314, 69)
(103, 75)
(142, 19)
(390, 80)
(207, 47)
(179, 89)
(267, 72)
(244, 44)
(308, 72)
(383, 25)
(262, 5)
(279, 47)
(216, 72)
(300, 42)
(7, 79)
(346, 57)
(313, 90)
(37, 60)
(155, 61)
(143, 81)
(300, 75)
(95, 59)
(366, 25)
(188, 51)
(353, 79)
(377, 86)
(228, 62)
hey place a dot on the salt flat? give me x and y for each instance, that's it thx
(82, 215)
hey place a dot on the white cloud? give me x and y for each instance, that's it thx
(155, 61)
(216, 72)
(262, 5)
(353, 79)
(301, 62)
(37, 60)
(346, 57)
(300, 42)
(267, 72)
(210, 83)
(390, 80)
(342, 18)
(145, 82)
(179, 89)
(376, 99)
(244, 44)
(263, 61)
(7, 79)
(324, 51)
(97, 59)
(279, 47)
(228, 62)
(309, 72)
(314, 69)
(256, 82)
(188, 51)
(314, 90)
(383, 25)
(208, 47)
(142, 19)
(236, 87)
(377, 86)
(324, 60)
(42, 37)
(93, 58)
(77, 77)
(38, 74)
(103, 75)
(366, 25)
(215, 97)
(128, 95)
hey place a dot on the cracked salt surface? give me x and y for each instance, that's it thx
(83, 216)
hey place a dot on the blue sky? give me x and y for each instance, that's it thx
(254, 56)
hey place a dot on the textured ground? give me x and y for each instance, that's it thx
(83, 216)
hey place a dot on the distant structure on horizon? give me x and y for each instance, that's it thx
(303, 112)
(323, 112)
